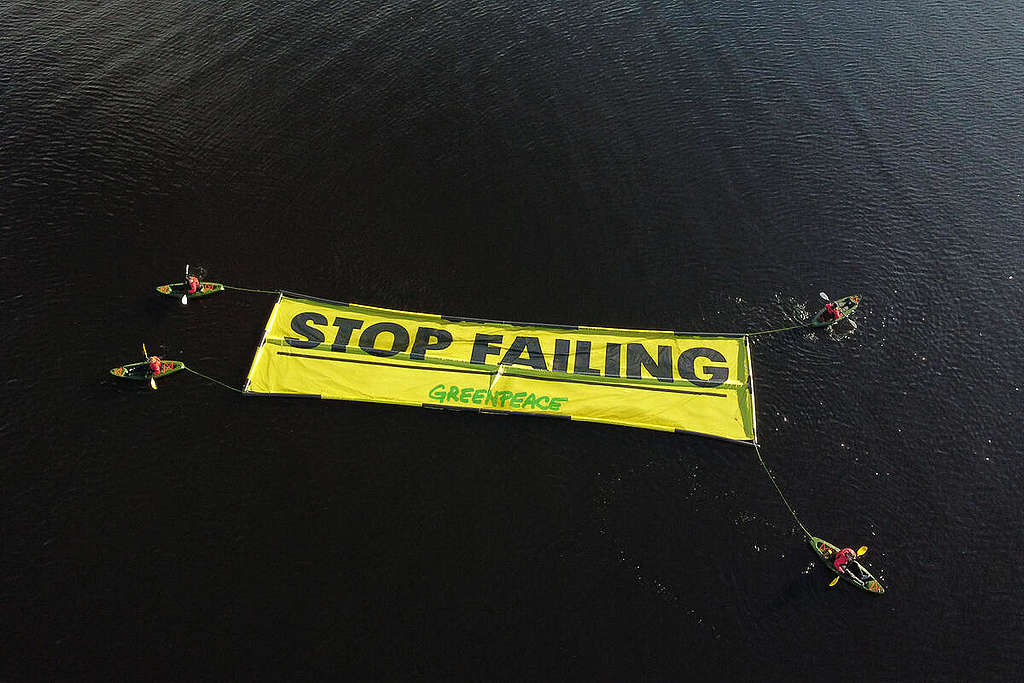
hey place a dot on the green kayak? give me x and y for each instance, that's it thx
(854, 571)
(847, 305)
(141, 370)
(177, 289)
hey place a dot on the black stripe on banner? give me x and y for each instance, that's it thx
(439, 406)
(567, 380)
(260, 393)
(493, 411)
(387, 365)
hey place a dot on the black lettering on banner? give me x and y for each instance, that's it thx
(582, 365)
(369, 337)
(637, 357)
(612, 361)
(688, 371)
(345, 327)
(560, 361)
(535, 359)
(301, 324)
(483, 346)
(443, 339)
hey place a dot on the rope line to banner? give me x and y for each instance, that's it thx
(256, 291)
(780, 329)
(757, 449)
(215, 381)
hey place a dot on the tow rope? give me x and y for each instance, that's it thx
(789, 507)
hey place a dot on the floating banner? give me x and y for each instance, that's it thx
(670, 381)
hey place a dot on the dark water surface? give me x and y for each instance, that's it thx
(704, 166)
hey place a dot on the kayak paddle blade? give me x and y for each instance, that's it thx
(824, 296)
(184, 299)
(152, 384)
(834, 581)
(862, 550)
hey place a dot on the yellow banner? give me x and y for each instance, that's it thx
(669, 381)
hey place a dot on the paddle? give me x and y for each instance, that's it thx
(860, 552)
(184, 297)
(152, 382)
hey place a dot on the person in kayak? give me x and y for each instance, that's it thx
(191, 284)
(842, 558)
(831, 312)
(155, 364)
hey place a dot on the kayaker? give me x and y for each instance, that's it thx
(831, 312)
(191, 284)
(154, 364)
(843, 557)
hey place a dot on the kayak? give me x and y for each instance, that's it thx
(178, 288)
(847, 305)
(853, 571)
(141, 370)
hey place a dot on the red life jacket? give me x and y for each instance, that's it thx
(154, 365)
(193, 284)
(842, 557)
